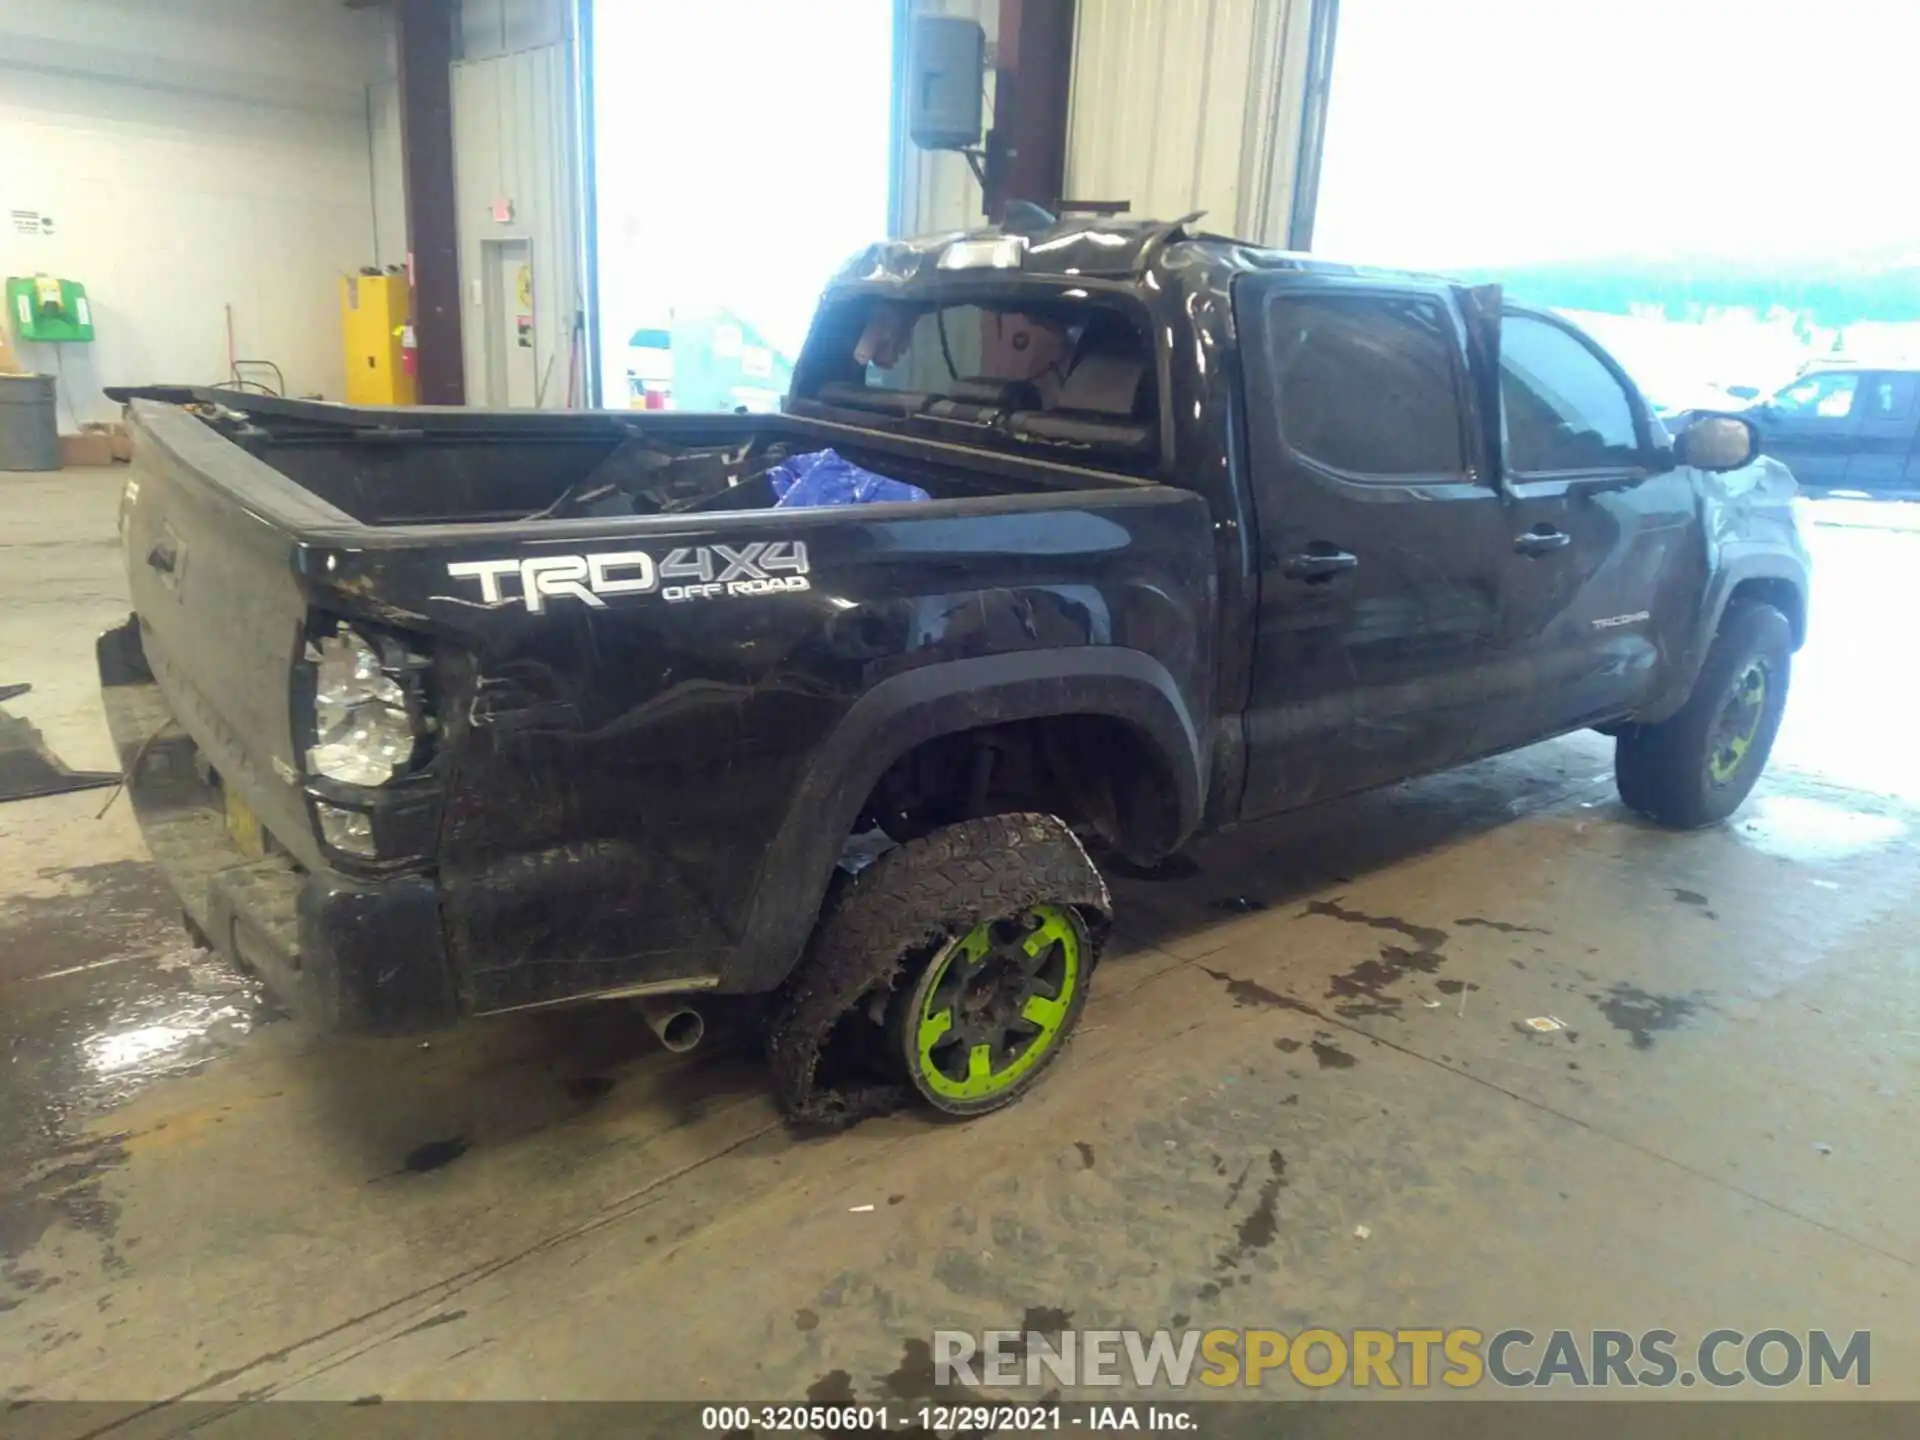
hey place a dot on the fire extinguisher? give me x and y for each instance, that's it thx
(409, 352)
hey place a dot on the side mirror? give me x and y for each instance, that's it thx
(1718, 443)
(947, 69)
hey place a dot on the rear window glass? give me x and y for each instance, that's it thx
(1366, 383)
(1064, 374)
(1074, 360)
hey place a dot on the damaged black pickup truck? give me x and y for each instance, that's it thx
(440, 713)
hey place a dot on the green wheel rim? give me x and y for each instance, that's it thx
(1738, 725)
(997, 1003)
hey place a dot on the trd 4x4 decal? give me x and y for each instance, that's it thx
(690, 572)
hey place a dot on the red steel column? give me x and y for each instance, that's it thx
(1033, 69)
(426, 35)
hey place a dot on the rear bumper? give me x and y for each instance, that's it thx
(346, 954)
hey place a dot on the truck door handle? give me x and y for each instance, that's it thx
(1541, 539)
(1318, 564)
(163, 557)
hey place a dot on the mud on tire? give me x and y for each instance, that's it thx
(1696, 767)
(889, 924)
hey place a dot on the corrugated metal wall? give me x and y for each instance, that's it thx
(499, 27)
(512, 141)
(389, 190)
(1183, 105)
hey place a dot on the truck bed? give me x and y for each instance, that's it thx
(425, 467)
(641, 784)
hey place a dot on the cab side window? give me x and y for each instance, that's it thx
(1889, 397)
(1366, 384)
(1821, 397)
(1563, 409)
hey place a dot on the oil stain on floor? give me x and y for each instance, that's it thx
(1639, 1015)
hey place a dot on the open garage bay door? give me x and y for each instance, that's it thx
(1707, 186)
(741, 151)
(1717, 192)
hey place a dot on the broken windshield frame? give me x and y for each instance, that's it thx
(1066, 374)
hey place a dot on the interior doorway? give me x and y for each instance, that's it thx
(512, 338)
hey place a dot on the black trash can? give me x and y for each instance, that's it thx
(29, 434)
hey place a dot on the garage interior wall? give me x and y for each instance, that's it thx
(1184, 105)
(511, 145)
(191, 156)
(513, 142)
(389, 176)
(1177, 105)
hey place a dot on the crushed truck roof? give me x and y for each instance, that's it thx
(1094, 248)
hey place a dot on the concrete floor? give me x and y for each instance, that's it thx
(1316, 1030)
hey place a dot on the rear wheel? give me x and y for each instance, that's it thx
(953, 969)
(1697, 767)
(990, 1008)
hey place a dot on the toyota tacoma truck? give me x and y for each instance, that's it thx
(441, 713)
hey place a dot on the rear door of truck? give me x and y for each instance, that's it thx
(1382, 648)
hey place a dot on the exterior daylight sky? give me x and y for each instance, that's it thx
(1502, 132)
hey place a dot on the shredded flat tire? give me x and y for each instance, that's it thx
(898, 912)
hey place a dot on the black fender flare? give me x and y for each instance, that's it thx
(919, 705)
(1775, 568)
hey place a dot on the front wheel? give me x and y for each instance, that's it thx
(1695, 768)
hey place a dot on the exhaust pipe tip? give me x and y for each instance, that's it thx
(678, 1025)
